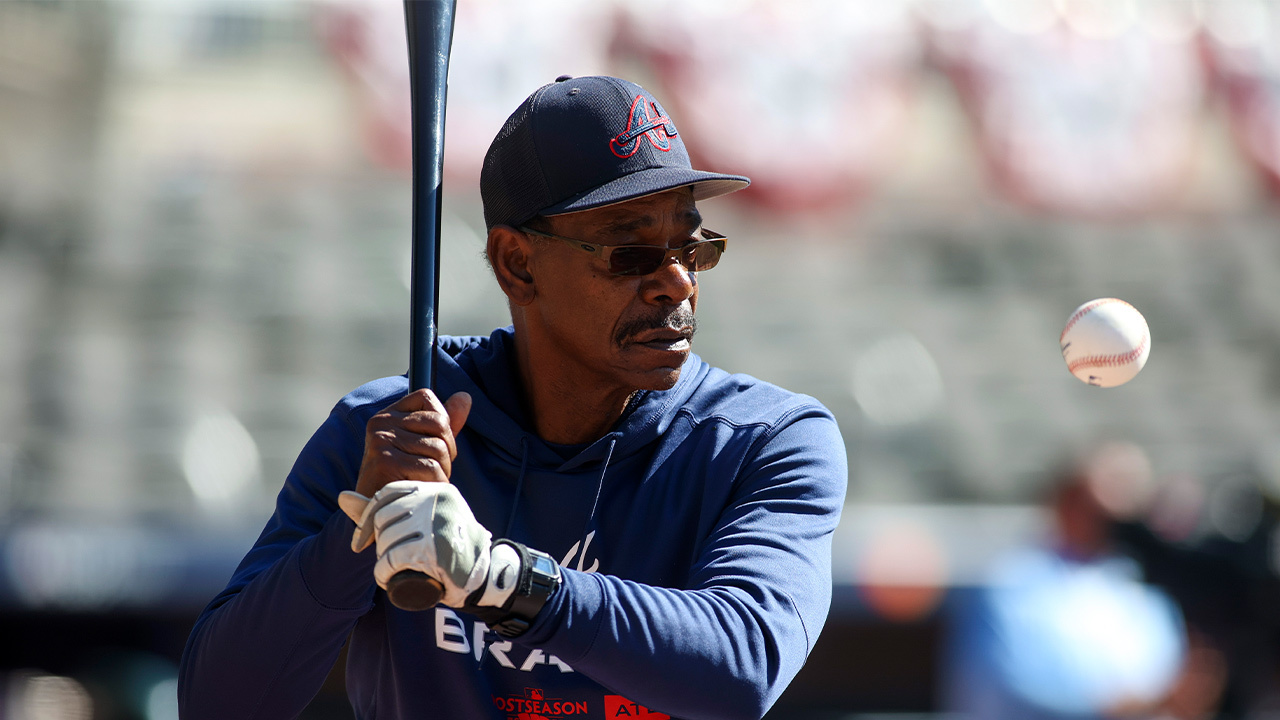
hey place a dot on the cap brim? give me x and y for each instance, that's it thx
(706, 185)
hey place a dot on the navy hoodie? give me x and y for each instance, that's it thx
(695, 540)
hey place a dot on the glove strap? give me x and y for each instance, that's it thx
(539, 577)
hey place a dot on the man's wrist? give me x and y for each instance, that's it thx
(537, 579)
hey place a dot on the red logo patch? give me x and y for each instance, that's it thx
(534, 705)
(646, 121)
(616, 706)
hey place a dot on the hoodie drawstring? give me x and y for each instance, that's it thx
(515, 502)
(595, 503)
(604, 470)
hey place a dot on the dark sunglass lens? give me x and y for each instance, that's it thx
(640, 260)
(703, 255)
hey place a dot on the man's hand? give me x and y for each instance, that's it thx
(429, 527)
(412, 439)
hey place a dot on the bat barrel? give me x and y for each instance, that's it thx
(429, 26)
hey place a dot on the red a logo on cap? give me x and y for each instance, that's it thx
(656, 128)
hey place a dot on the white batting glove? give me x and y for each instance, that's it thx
(429, 527)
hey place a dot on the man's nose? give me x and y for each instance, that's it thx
(670, 284)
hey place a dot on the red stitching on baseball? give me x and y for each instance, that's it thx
(1108, 360)
(1085, 311)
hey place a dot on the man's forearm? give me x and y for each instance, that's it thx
(714, 653)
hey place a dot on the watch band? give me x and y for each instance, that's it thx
(539, 577)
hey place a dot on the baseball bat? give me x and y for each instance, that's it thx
(429, 28)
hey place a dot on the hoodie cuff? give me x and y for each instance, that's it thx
(337, 578)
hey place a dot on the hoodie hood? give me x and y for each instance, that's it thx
(485, 368)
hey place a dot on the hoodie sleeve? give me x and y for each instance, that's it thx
(264, 645)
(757, 597)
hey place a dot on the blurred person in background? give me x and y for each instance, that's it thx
(1068, 628)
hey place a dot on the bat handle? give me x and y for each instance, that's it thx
(413, 590)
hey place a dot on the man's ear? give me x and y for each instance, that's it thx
(509, 252)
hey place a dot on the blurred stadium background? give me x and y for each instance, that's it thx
(204, 222)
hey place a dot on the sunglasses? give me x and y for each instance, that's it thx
(645, 259)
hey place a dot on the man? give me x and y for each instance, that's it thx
(663, 528)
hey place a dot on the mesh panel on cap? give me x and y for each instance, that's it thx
(512, 187)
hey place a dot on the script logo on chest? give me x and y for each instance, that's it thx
(567, 562)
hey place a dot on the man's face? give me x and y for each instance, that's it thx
(631, 332)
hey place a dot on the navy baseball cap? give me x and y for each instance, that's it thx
(583, 143)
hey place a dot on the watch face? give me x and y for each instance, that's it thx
(544, 565)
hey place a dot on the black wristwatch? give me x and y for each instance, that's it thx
(539, 577)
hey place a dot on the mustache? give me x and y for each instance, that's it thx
(681, 318)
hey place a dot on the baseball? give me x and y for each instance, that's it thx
(1106, 342)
